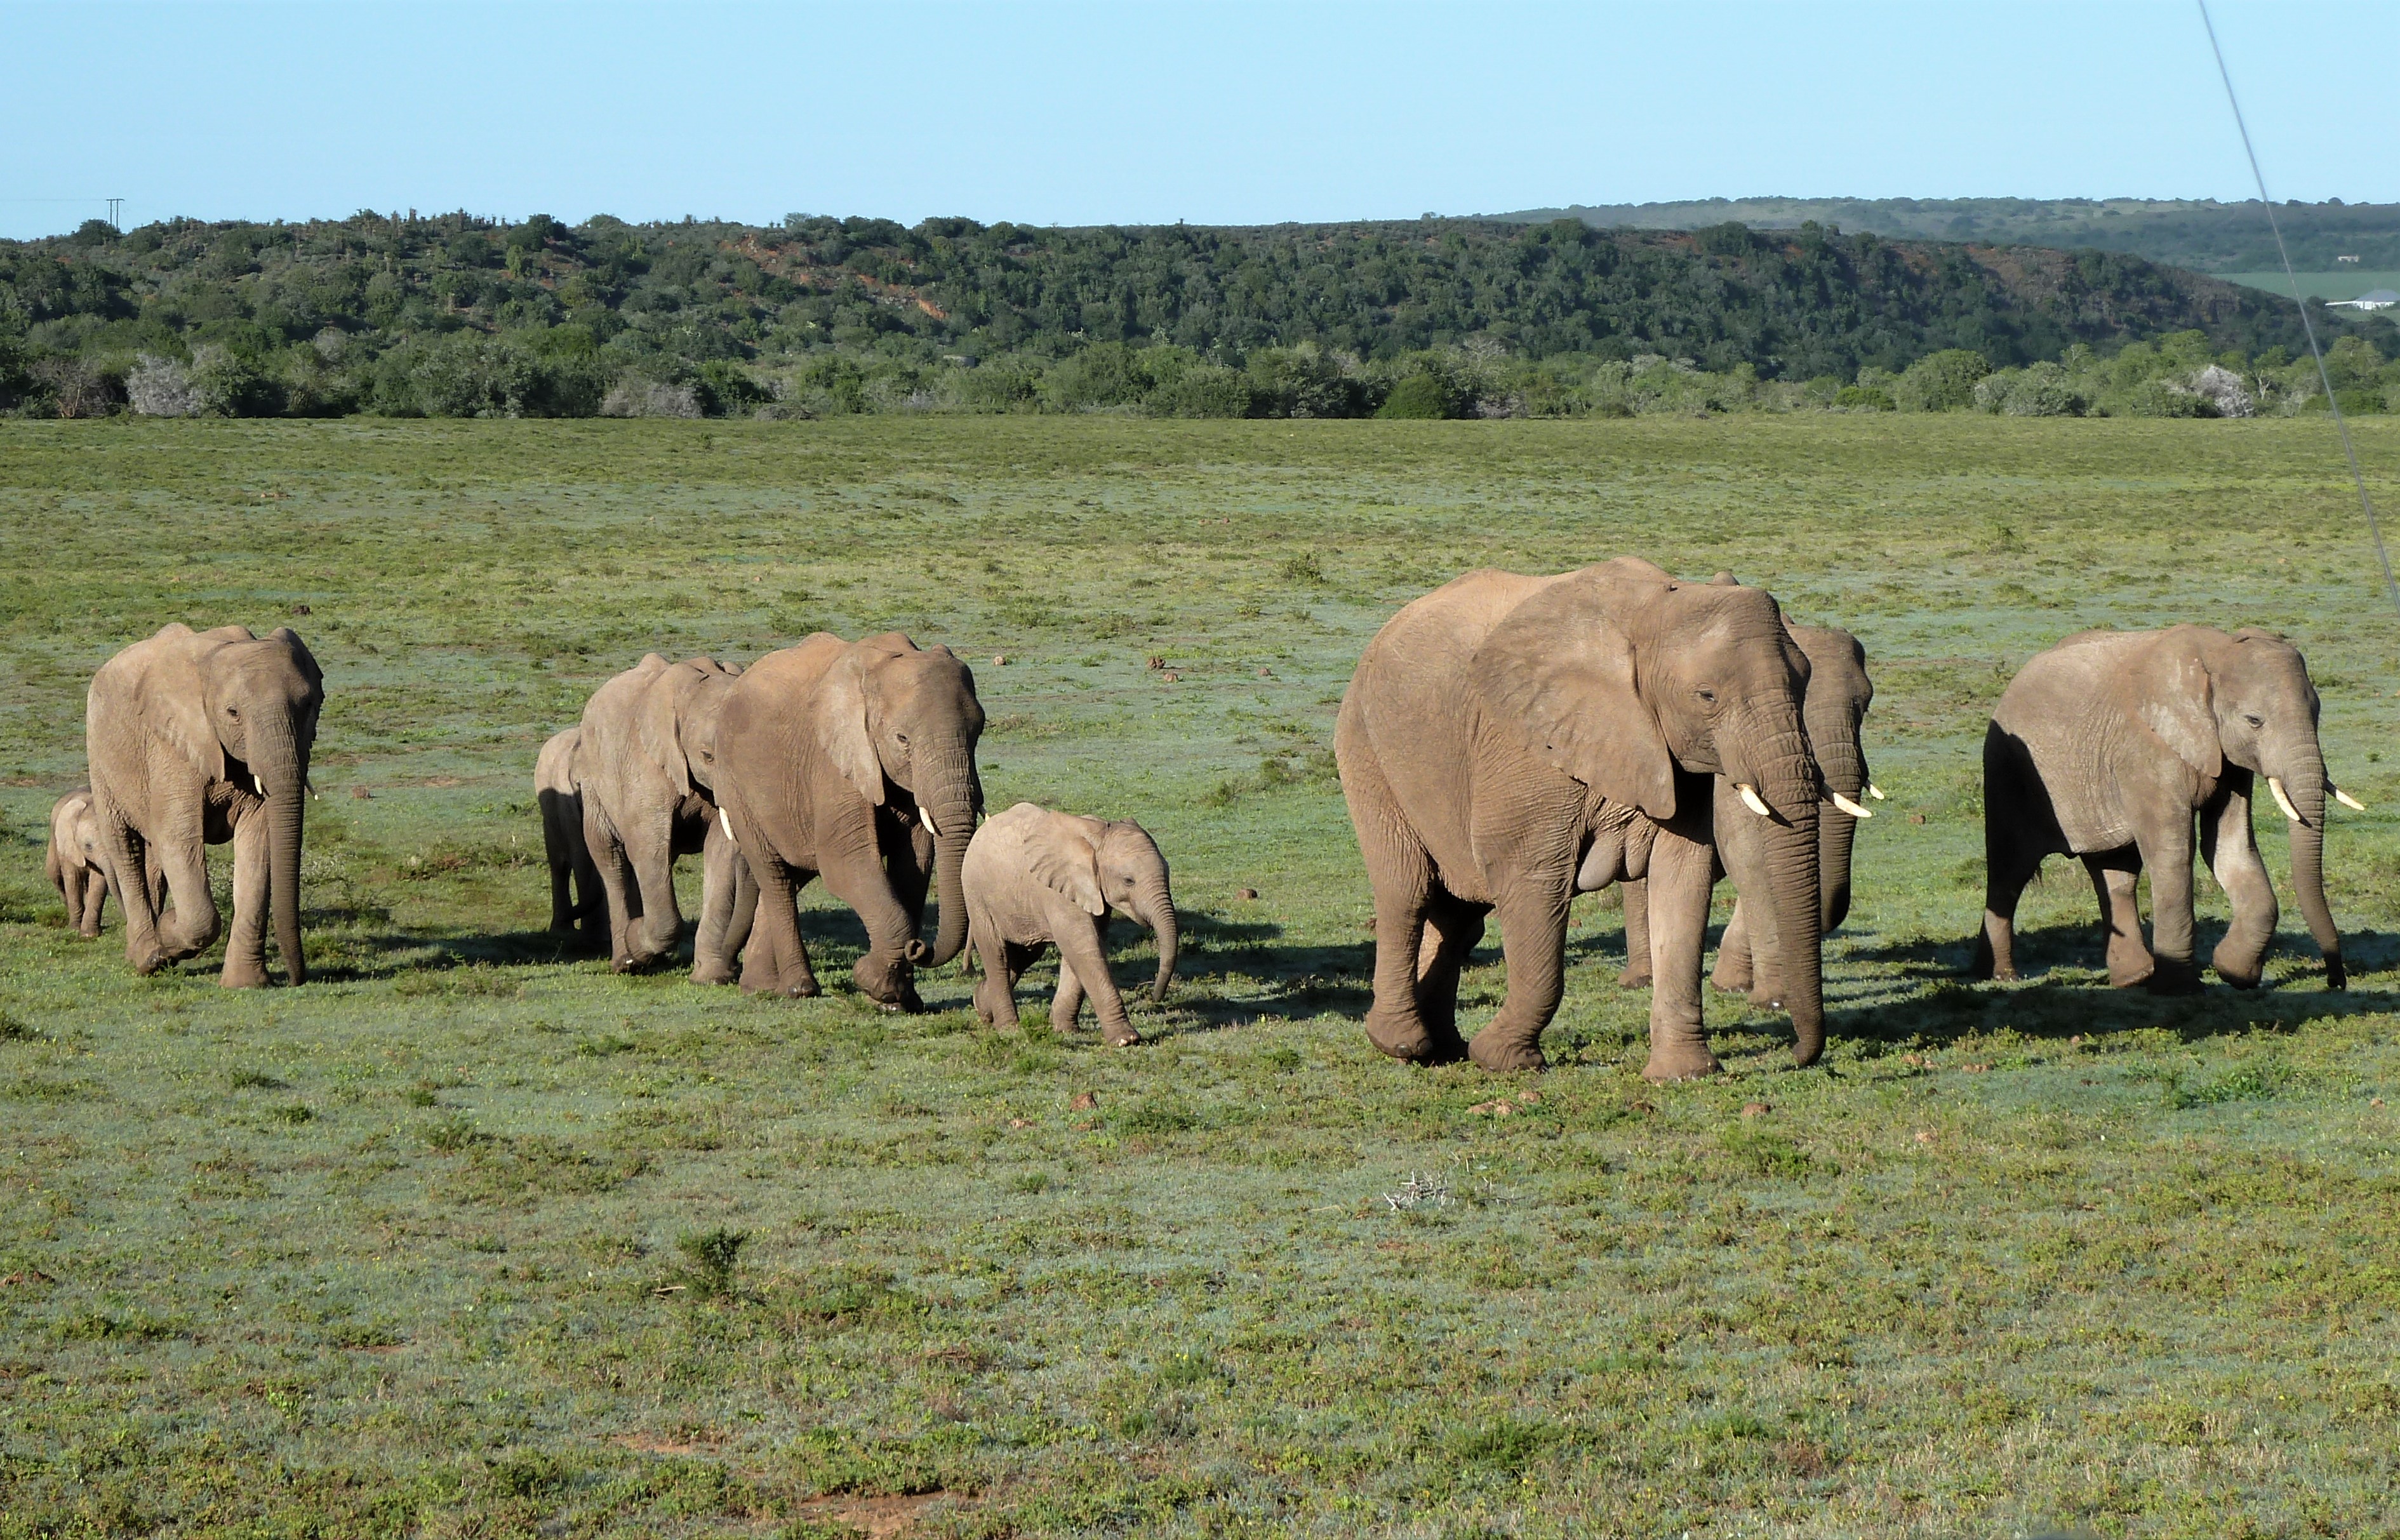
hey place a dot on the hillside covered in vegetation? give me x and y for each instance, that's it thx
(453, 315)
(2199, 232)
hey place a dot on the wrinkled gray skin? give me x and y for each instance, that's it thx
(1503, 730)
(197, 739)
(2111, 746)
(1839, 693)
(854, 761)
(578, 906)
(646, 767)
(78, 864)
(1036, 878)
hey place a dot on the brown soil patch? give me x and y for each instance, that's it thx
(701, 1442)
(878, 1516)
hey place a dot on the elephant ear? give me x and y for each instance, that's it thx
(300, 654)
(841, 726)
(1557, 673)
(2168, 692)
(1063, 861)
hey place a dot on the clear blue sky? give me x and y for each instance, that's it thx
(1226, 112)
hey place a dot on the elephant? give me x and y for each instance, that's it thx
(1838, 695)
(853, 760)
(1034, 877)
(200, 738)
(2108, 747)
(75, 862)
(645, 768)
(577, 907)
(1501, 739)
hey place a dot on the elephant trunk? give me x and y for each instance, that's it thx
(1157, 911)
(2304, 782)
(1777, 751)
(950, 794)
(1845, 771)
(283, 773)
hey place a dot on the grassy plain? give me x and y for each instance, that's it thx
(441, 1245)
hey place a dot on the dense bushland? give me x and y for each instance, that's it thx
(453, 316)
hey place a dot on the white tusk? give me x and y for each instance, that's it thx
(725, 824)
(2275, 785)
(931, 827)
(260, 785)
(1849, 807)
(1751, 800)
(2352, 803)
(1875, 791)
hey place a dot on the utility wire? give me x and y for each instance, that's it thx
(2315, 353)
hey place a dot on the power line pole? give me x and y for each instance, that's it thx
(115, 208)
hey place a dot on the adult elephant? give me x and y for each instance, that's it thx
(645, 766)
(1503, 728)
(2111, 746)
(200, 738)
(1835, 710)
(854, 761)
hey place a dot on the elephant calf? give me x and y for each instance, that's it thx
(2110, 745)
(75, 862)
(577, 907)
(1034, 876)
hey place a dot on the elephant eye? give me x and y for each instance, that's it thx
(2254, 721)
(234, 713)
(902, 738)
(1707, 696)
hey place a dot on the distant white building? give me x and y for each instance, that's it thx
(2352, 260)
(2374, 299)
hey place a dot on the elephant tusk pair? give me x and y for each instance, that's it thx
(2352, 803)
(1751, 800)
(2283, 799)
(726, 823)
(1849, 807)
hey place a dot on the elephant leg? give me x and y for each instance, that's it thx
(712, 956)
(86, 892)
(883, 973)
(1681, 872)
(1637, 934)
(2233, 854)
(995, 997)
(245, 959)
(654, 933)
(2006, 872)
(1453, 927)
(775, 961)
(196, 924)
(2114, 874)
(2167, 852)
(1533, 941)
(1084, 968)
(622, 899)
(741, 923)
(1735, 971)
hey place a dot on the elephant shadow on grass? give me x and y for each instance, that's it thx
(2065, 992)
(1234, 972)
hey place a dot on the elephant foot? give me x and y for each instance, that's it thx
(711, 974)
(1504, 1050)
(1633, 979)
(1734, 981)
(2337, 976)
(243, 975)
(151, 962)
(1679, 1062)
(1123, 1037)
(2236, 970)
(2175, 976)
(1405, 1037)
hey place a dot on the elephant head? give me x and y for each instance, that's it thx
(2246, 701)
(893, 712)
(1114, 866)
(262, 697)
(1624, 677)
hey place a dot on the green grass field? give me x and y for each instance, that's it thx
(442, 1245)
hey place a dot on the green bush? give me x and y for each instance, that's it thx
(1940, 382)
(1866, 398)
(1420, 395)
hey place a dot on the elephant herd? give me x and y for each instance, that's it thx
(1506, 744)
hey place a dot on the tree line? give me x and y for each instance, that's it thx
(452, 315)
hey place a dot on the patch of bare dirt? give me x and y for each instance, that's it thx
(878, 1516)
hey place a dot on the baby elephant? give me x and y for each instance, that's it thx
(1034, 876)
(75, 863)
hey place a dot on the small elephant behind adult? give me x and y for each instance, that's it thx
(1034, 879)
(577, 907)
(75, 863)
(2111, 746)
